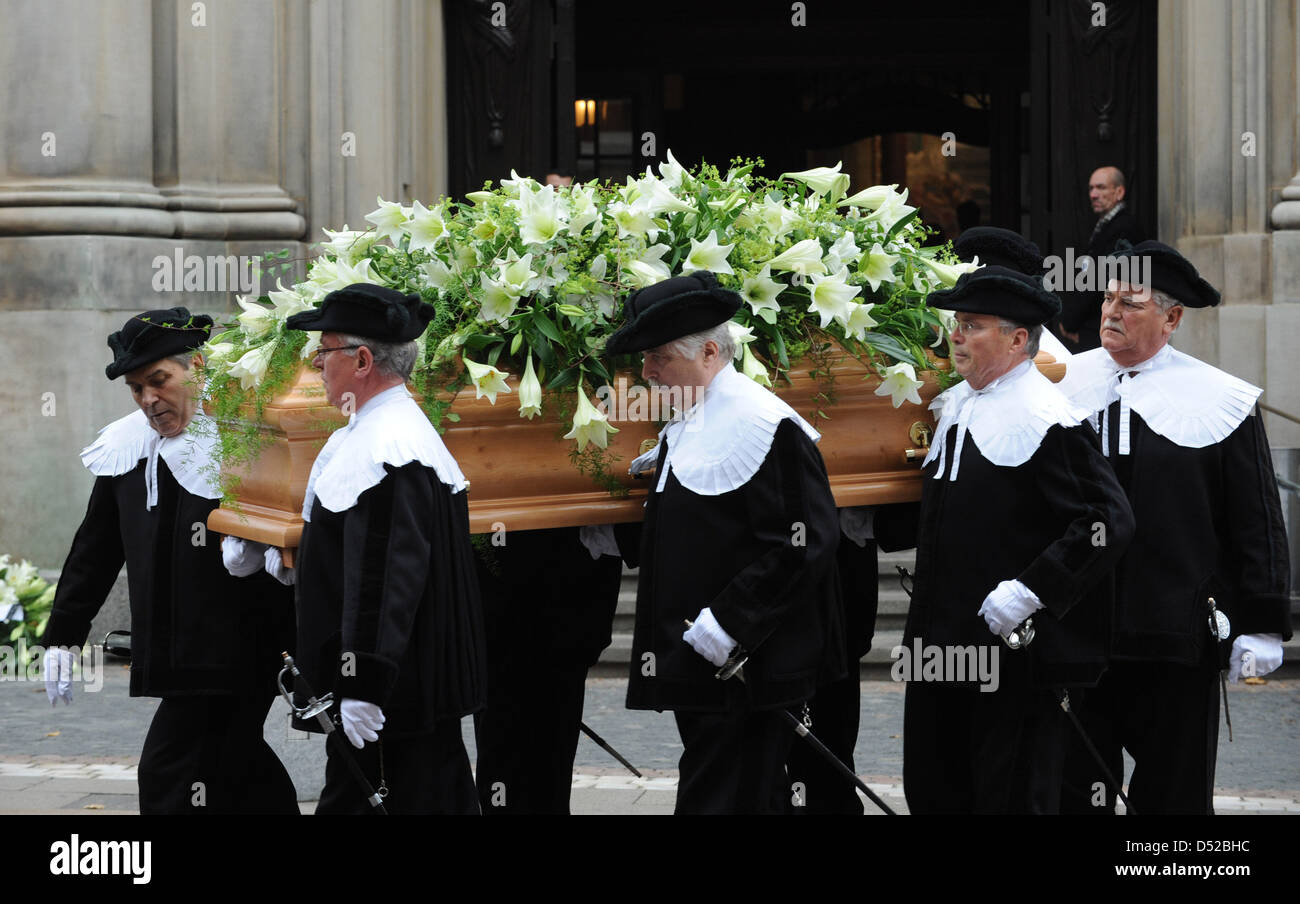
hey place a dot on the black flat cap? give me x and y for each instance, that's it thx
(672, 309)
(153, 335)
(999, 247)
(1171, 273)
(1002, 292)
(369, 311)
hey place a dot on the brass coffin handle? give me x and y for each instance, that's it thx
(919, 433)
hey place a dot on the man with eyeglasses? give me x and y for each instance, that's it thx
(389, 617)
(1189, 448)
(1015, 496)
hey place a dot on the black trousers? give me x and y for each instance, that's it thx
(207, 755)
(836, 710)
(733, 763)
(426, 775)
(527, 739)
(1167, 717)
(970, 752)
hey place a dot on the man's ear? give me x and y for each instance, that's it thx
(365, 361)
(1120, 191)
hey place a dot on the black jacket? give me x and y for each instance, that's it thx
(740, 554)
(388, 603)
(1037, 523)
(195, 629)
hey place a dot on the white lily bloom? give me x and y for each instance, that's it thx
(388, 220)
(516, 186)
(802, 257)
(426, 228)
(761, 290)
(251, 367)
(488, 381)
(256, 321)
(752, 368)
(633, 220)
(589, 425)
(829, 296)
(498, 301)
(642, 274)
(901, 384)
(348, 244)
(542, 216)
(219, 351)
(436, 274)
(948, 274)
(530, 392)
(516, 273)
(871, 198)
(672, 171)
(584, 211)
(842, 252)
(823, 180)
(312, 343)
(287, 302)
(876, 266)
(740, 336)
(708, 255)
(858, 321)
(891, 211)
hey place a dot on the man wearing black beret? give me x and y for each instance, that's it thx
(739, 540)
(1204, 585)
(389, 619)
(1015, 494)
(205, 642)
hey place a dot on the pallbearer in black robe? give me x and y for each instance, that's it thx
(1020, 518)
(1189, 448)
(739, 537)
(205, 642)
(548, 603)
(389, 618)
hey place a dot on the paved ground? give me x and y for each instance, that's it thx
(82, 758)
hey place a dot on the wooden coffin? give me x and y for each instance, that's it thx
(520, 471)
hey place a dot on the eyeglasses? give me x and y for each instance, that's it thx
(966, 327)
(338, 348)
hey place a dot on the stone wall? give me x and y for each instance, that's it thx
(134, 129)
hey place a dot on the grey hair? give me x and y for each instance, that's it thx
(689, 346)
(395, 359)
(1167, 303)
(183, 358)
(1035, 334)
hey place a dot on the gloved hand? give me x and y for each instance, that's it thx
(362, 721)
(274, 564)
(1264, 649)
(58, 675)
(1010, 603)
(241, 557)
(708, 639)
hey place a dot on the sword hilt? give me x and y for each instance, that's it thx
(1021, 635)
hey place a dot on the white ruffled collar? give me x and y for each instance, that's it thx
(191, 456)
(1008, 418)
(719, 444)
(1188, 402)
(389, 429)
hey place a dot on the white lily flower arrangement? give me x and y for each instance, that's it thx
(528, 282)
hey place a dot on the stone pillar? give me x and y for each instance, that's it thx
(137, 130)
(1227, 146)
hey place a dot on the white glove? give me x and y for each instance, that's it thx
(708, 639)
(1010, 603)
(362, 721)
(1264, 649)
(274, 564)
(241, 557)
(58, 675)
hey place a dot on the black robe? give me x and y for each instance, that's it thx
(1035, 523)
(1081, 312)
(737, 553)
(195, 629)
(1209, 523)
(388, 603)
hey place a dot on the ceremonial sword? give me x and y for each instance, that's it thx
(608, 748)
(319, 710)
(802, 727)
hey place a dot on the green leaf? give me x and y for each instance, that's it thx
(780, 352)
(452, 416)
(479, 341)
(767, 315)
(890, 346)
(564, 378)
(548, 327)
(893, 230)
